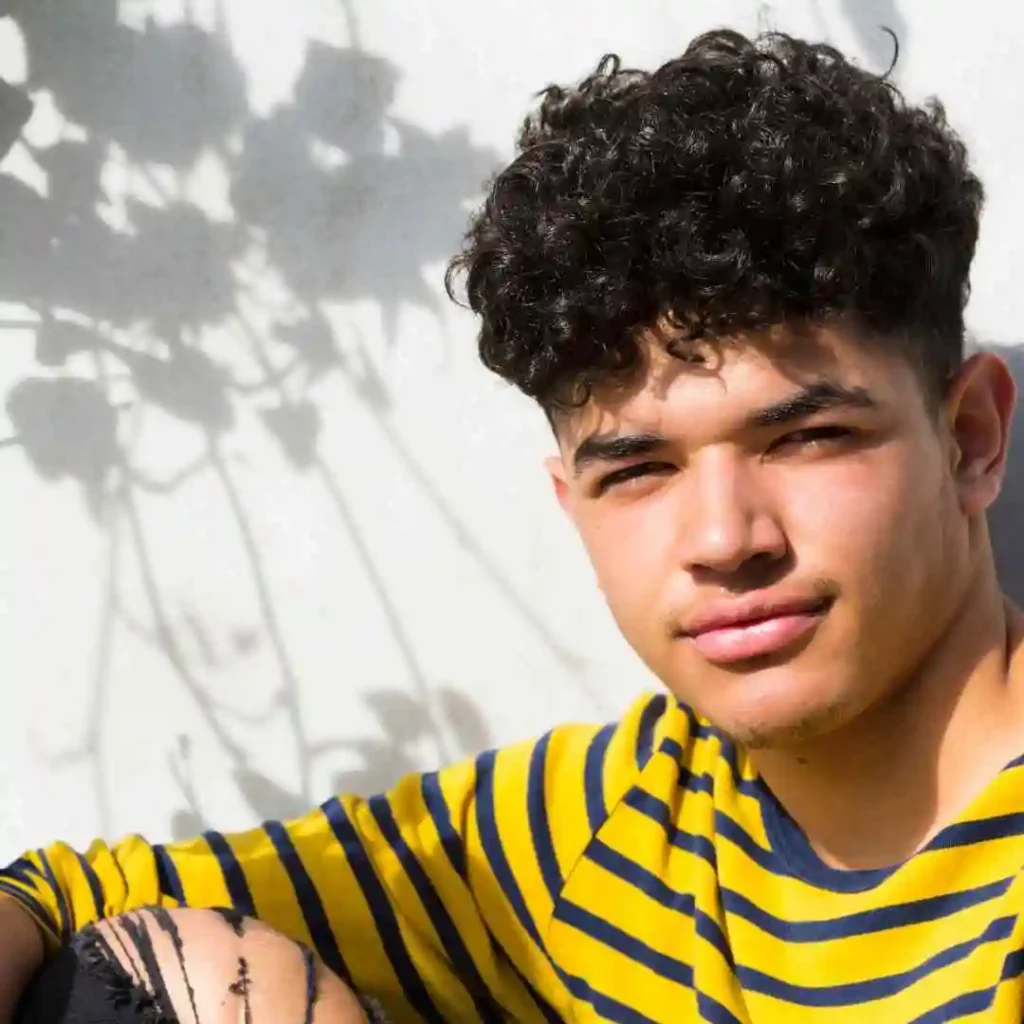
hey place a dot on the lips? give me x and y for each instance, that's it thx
(727, 634)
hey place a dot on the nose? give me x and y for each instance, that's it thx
(728, 525)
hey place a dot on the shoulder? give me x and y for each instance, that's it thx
(573, 775)
(548, 797)
(588, 763)
(577, 773)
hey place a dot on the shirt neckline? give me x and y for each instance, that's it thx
(790, 844)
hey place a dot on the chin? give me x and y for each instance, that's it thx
(776, 710)
(785, 730)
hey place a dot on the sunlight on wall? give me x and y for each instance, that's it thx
(271, 530)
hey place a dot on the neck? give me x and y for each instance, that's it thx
(870, 793)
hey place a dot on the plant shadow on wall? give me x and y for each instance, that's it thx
(331, 197)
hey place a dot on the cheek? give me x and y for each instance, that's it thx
(631, 554)
(871, 520)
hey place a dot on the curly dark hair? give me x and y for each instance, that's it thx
(746, 184)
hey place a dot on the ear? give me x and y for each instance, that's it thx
(980, 407)
(555, 466)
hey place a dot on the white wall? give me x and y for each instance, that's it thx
(318, 548)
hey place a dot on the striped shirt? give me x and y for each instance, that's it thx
(638, 872)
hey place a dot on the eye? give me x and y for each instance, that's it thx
(635, 474)
(813, 437)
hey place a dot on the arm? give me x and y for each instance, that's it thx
(21, 954)
(435, 899)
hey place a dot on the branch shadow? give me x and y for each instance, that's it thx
(333, 196)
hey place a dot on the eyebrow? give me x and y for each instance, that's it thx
(820, 396)
(815, 398)
(615, 448)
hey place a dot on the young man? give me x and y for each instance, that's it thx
(736, 286)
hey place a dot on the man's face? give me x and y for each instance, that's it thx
(783, 531)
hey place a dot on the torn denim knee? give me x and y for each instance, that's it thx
(116, 977)
(85, 984)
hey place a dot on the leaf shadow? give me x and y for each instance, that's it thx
(137, 301)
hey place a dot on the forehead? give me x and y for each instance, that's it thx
(725, 382)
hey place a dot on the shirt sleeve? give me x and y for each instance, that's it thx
(435, 898)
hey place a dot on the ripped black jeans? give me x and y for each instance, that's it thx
(138, 970)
